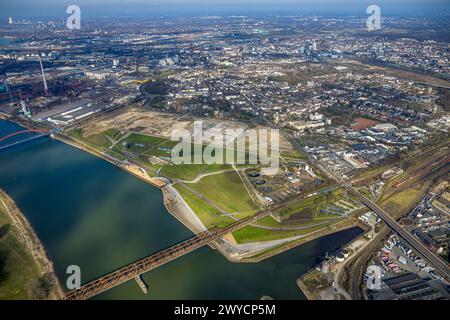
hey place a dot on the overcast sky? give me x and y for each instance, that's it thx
(48, 8)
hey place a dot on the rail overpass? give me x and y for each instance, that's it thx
(144, 265)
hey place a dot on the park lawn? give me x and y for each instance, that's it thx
(271, 222)
(22, 273)
(250, 234)
(188, 172)
(205, 212)
(96, 141)
(228, 192)
(154, 146)
(114, 134)
(294, 155)
(151, 143)
(311, 202)
(76, 133)
(150, 140)
(365, 192)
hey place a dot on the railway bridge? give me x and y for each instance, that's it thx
(144, 265)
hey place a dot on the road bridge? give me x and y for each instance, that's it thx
(41, 134)
(441, 266)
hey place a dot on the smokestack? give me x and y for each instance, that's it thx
(25, 109)
(43, 76)
(6, 84)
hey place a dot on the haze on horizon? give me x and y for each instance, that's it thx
(92, 8)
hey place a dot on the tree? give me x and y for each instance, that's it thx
(44, 287)
(3, 260)
(4, 230)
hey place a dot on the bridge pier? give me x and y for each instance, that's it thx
(141, 283)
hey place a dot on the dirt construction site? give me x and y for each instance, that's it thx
(163, 125)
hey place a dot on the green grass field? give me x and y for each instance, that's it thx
(19, 273)
(315, 203)
(189, 172)
(251, 234)
(227, 191)
(294, 155)
(146, 146)
(206, 213)
(98, 141)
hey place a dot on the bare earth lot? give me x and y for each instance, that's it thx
(164, 124)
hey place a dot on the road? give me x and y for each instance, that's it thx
(441, 267)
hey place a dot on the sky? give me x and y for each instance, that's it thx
(56, 8)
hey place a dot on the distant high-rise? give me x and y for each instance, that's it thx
(10, 20)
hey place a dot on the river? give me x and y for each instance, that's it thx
(89, 213)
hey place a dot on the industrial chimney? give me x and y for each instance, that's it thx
(43, 76)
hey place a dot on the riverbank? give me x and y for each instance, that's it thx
(173, 201)
(90, 208)
(324, 283)
(28, 238)
(180, 209)
(127, 167)
(344, 225)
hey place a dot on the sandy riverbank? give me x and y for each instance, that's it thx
(31, 241)
(178, 207)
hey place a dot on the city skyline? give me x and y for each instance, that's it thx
(51, 9)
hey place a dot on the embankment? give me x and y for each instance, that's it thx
(31, 241)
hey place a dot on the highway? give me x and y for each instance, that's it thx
(440, 266)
